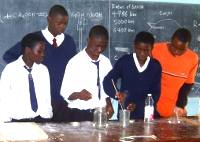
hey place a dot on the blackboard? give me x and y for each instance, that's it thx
(123, 19)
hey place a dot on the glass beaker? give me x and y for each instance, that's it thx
(100, 117)
(124, 117)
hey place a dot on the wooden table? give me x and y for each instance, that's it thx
(159, 130)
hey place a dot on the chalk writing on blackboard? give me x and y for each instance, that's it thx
(17, 15)
(163, 26)
(165, 13)
(123, 17)
(196, 23)
(80, 26)
(120, 51)
(83, 18)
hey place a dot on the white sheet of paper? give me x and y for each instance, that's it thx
(21, 131)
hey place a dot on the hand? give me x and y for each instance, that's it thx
(84, 95)
(121, 97)
(180, 111)
(131, 107)
(110, 111)
(109, 108)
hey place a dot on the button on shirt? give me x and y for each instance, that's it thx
(15, 86)
(81, 74)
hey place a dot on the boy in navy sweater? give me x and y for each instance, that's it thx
(59, 49)
(140, 75)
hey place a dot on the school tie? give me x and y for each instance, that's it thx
(98, 79)
(33, 98)
(54, 43)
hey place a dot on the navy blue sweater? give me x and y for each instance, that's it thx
(136, 85)
(55, 60)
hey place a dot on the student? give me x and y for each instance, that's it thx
(25, 83)
(140, 75)
(59, 49)
(82, 83)
(179, 65)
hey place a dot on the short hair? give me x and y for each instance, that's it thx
(30, 40)
(98, 31)
(144, 37)
(58, 10)
(183, 34)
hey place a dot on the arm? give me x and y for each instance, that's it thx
(68, 83)
(182, 100)
(156, 88)
(70, 90)
(5, 106)
(47, 111)
(71, 44)
(109, 107)
(185, 89)
(13, 53)
(156, 83)
(114, 75)
(182, 96)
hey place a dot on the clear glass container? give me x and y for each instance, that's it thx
(100, 117)
(124, 117)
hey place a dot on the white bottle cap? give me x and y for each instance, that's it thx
(149, 95)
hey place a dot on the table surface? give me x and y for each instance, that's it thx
(188, 130)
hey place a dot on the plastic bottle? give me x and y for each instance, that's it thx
(149, 109)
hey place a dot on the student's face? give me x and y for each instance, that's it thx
(142, 51)
(96, 45)
(177, 47)
(57, 24)
(37, 53)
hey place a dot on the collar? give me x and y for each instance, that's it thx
(140, 69)
(88, 57)
(49, 37)
(22, 63)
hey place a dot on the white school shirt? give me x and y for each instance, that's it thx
(81, 73)
(4, 114)
(15, 90)
(49, 37)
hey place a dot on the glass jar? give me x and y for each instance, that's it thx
(100, 117)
